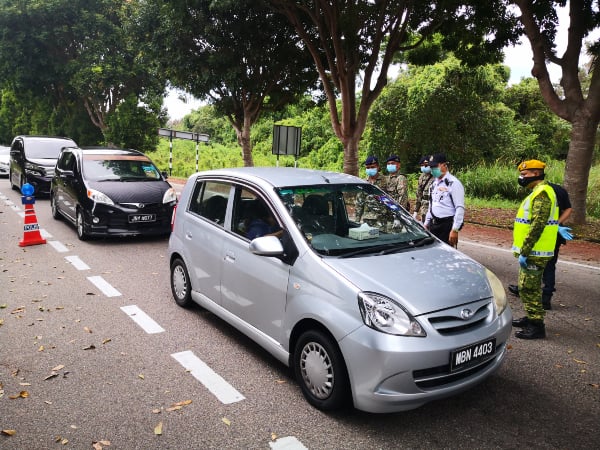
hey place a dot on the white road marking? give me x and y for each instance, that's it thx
(560, 261)
(45, 234)
(287, 443)
(208, 377)
(142, 319)
(58, 246)
(106, 288)
(77, 263)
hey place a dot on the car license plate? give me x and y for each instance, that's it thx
(473, 354)
(136, 218)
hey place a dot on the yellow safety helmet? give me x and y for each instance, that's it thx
(531, 164)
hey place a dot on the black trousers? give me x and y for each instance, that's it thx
(441, 228)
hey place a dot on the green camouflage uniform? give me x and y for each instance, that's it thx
(530, 279)
(396, 185)
(371, 210)
(423, 194)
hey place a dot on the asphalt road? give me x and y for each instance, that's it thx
(89, 337)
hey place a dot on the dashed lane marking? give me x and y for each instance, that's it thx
(77, 263)
(208, 377)
(58, 246)
(142, 319)
(287, 443)
(104, 286)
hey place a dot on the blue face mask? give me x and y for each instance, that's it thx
(436, 172)
(391, 168)
(371, 172)
(425, 169)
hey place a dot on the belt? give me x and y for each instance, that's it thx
(439, 220)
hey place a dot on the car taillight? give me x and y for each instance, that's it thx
(173, 217)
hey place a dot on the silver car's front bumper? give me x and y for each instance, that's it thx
(396, 373)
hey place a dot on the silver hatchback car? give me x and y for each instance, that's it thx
(337, 281)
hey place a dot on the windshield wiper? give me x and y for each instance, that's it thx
(375, 249)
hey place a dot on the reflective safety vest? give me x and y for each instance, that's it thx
(545, 245)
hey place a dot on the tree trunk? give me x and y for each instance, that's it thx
(579, 163)
(351, 155)
(242, 131)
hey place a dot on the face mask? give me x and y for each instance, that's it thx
(425, 169)
(526, 181)
(436, 172)
(391, 168)
(371, 172)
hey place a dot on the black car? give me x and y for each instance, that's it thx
(111, 192)
(32, 160)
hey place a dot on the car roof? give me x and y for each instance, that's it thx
(40, 138)
(109, 151)
(283, 176)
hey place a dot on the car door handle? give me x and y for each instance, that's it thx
(230, 256)
(188, 235)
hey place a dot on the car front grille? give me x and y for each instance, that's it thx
(463, 318)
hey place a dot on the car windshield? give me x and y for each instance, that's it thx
(46, 148)
(348, 220)
(119, 168)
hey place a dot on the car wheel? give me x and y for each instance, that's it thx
(80, 225)
(321, 372)
(180, 284)
(54, 206)
(12, 185)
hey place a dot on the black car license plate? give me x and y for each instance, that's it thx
(473, 354)
(137, 218)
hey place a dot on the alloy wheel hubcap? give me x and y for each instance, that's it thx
(317, 370)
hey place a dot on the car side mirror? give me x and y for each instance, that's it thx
(266, 246)
(165, 174)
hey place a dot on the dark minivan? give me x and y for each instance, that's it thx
(111, 192)
(32, 160)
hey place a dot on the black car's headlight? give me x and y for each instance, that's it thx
(383, 314)
(170, 196)
(99, 197)
(497, 291)
(33, 169)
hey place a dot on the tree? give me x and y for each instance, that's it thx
(540, 21)
(444, 107)
(354, 42)
(76, 54)
(238, 54)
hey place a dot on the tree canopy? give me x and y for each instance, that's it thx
(239, 54)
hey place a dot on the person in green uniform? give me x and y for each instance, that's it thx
(534, 239)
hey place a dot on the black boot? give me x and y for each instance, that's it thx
(546, 299)
(513, 289)
(520, 323)
(535, 329)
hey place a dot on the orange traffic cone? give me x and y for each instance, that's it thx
(31, 229)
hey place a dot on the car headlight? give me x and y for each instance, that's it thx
(33, 169)
(383, 314)
(497, 291)
(99, 197)
(170, 196)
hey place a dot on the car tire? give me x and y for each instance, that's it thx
(80, 226)
(321, 371)
(10, 178)
(54, 206)
(181, 286)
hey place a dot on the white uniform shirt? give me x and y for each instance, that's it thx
(447, 200)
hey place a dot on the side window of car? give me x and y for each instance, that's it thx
(245, 203)
(209, 200)
(66, 161)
